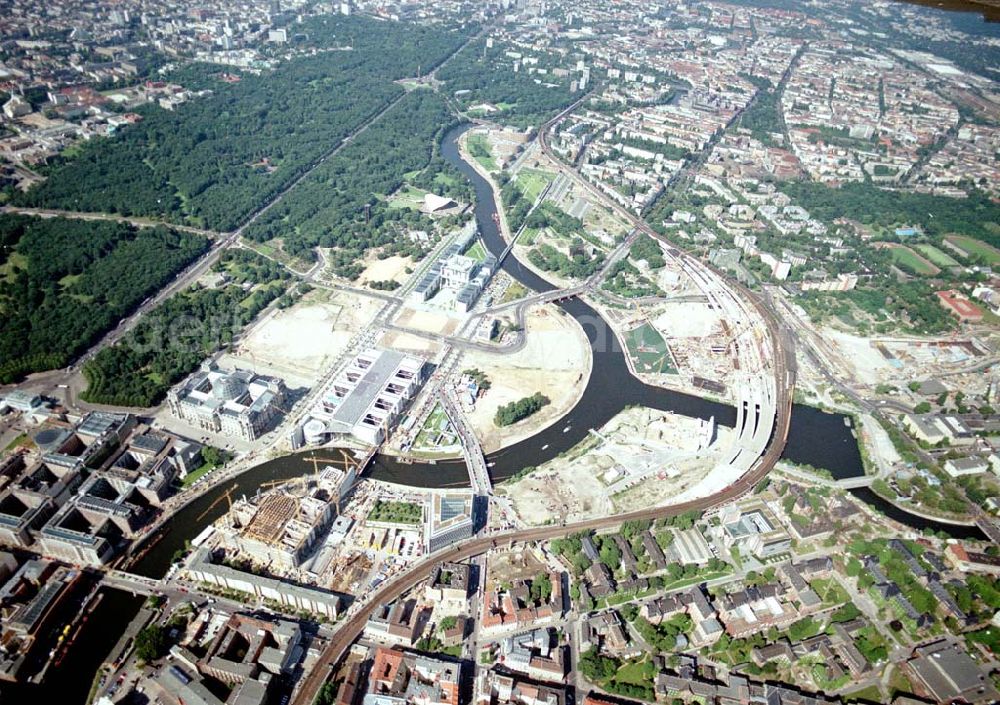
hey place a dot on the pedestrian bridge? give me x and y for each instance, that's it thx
(130, 582)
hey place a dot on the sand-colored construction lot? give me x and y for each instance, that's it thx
(555, 361)
(686, 320)
(580, 484)
(388, 269)
(438, 322)
(410, 343)
(302, 341)
(859, 358)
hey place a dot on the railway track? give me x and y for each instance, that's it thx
(783, 361)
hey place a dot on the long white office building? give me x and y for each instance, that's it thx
(369, 394)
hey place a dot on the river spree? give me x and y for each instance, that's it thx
(816, 438)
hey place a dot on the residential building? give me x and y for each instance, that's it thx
(398, 678)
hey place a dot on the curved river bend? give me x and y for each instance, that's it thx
(816, 438)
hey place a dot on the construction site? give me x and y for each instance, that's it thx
(555, 360)
(640, 458)
(328, 529)
(278, 530)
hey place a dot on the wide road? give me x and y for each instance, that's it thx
(70, 378)
(783, 361)
(113, 217)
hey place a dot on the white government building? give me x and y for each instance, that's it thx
(240, 404)
(367, 397)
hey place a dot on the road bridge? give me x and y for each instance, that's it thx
(777, 394)
(130, 582)
(853, 483)
(472, 450)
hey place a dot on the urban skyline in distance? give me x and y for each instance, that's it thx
(499, 352)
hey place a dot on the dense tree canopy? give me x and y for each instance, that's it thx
(328, 208)
(486, 75)
(170, 342)
(977, 215)
(219, 158)
(520, 409)
(68, 282)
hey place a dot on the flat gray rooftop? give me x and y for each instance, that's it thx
(354, 405)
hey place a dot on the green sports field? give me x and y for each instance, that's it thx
(938, 257)
(648, 350)
(911, 261)
(976, 247)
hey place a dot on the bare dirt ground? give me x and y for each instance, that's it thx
(409, 343)
(388, 269)
(299, 343)
(517, 563)
(685, 320)
(555, 361)
(578, 485)
(879, 445)
(866, 364)
(438, 322)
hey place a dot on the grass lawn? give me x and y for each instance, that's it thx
(532, 181)
(8, 269)
(528, 237)
(446, 180)
(514, 292)
(830, 591)
(819, 674)
(975, 247)
(192, 476)
(700, 578)
(899, 683)
(941, 259)
(871, 694)
(476, 251)
(633, 672)
(479, 148)
(407, 197)
(430, 434)
(412, 85)
(69, 280)
(21, 441)
(913, 262)
(989, 637)
(648, 349)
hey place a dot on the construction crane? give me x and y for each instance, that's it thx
(345, 462)
(227, 495)
(272, 483)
